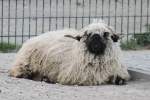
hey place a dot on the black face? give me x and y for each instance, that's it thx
(95, 44)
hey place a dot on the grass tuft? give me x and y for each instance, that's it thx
(130, 45)
(138, 41)
(5, 47)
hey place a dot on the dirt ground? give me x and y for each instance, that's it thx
(23, 89)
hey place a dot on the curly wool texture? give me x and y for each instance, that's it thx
(67, 61)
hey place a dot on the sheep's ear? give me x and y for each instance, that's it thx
(76, 37)
(115, 37)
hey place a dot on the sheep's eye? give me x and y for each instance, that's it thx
(90, 34)
(106, 34)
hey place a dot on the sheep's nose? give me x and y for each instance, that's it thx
(96, 37)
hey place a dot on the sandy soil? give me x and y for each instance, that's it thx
(23, 89)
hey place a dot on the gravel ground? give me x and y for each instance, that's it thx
(22, 89)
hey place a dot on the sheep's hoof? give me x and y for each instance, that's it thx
(45, 79)
(120, 81)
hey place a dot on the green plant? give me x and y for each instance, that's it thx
(143, 39)
(5, 47)
(138, 41)
(147, 27)
(130, 45)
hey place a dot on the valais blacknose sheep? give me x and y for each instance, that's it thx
(90, 56)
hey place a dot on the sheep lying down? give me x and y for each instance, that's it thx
(90, 56)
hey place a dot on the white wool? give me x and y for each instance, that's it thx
(65, 60)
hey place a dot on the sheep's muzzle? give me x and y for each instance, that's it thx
(95, 44)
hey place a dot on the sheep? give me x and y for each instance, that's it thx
(90, 56)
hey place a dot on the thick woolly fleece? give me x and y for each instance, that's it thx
(65, 60)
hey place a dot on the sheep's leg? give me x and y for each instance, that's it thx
(117, 80)
(120, 77)
(21, 67)
(21, 72)
(120, 81)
